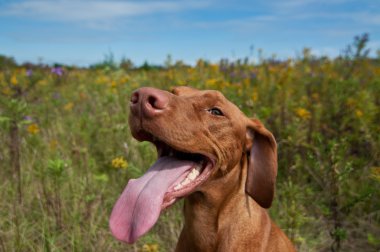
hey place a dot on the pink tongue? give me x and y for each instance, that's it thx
(139, 206)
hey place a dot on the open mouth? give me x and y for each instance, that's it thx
(188, 182)
(174, 175)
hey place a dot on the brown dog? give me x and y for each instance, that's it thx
(209, 152)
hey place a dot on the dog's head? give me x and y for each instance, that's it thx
(199, 136)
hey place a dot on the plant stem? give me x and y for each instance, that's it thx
(14, 147)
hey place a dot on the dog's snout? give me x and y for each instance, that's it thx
(149, 101)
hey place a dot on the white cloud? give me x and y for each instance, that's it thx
(93, 11)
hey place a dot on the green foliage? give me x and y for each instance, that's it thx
(77, 153)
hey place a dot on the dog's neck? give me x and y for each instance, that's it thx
(204, 210)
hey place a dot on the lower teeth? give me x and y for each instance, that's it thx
(190, 177)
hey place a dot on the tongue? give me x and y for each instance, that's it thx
(139, 206)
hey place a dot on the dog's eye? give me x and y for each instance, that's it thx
(215, 111)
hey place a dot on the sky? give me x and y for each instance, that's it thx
(83, 32)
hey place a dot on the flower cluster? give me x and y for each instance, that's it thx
(119, 163)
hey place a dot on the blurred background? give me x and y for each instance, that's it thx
(310, 70)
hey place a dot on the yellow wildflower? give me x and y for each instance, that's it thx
(113, 84)
(303, 113)
(214, 68)
(69, 106)
(14, 80)
(53, 144)
(350, 102)
(42, 82)
(119, 163)
(6, 90)
(358, 113)
(255, 95)
(212, 82)
(33, 129)
(375, 173)
(315, 96)
(150, 247)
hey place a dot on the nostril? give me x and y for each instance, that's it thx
(152, 100)
(135, 98)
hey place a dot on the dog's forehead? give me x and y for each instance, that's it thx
(212, 97)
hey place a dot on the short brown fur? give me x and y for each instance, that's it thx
(227, 212)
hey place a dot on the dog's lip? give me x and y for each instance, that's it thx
(207, 159)
(173, 195)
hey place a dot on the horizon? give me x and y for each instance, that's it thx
(83, 33)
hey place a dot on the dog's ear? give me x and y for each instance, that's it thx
(262, 164)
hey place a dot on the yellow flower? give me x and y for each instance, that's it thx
(350, 102)
(53, 144)
(14, 80)
(358, 113)
(150, 247)
(33, 129)
(315, 96)
(69, 106)
(255, 96)
(212, 82)
(375, 173)
(113, 84)
(303, 113)
(119, 163)
(6, 90)
(214, 68)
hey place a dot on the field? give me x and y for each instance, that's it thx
(66, 151)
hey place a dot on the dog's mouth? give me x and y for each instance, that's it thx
(189, 180)
(174, 175)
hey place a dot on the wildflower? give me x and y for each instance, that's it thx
(57, 70)
(69, 106)
(350, 102)
(150, 247)
(303, 113)
(255, 95)
(113, 84)
(315, 96)
(253, 75)
(211, 82)
(119, 163)
(6, 91)
(375, 173)
(53, 144)
(14, 80)
(358, 113)
(33, 129)
(29, 72)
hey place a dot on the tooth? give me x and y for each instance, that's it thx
(193, 174)
(185, 182)
(177, 187)
(198, 168)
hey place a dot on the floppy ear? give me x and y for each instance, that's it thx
(262, 165)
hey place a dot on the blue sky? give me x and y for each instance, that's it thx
(82, 32)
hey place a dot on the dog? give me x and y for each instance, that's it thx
(223, 163)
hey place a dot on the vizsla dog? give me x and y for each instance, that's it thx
(223, 163)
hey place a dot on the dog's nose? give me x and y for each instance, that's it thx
(149, 101)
